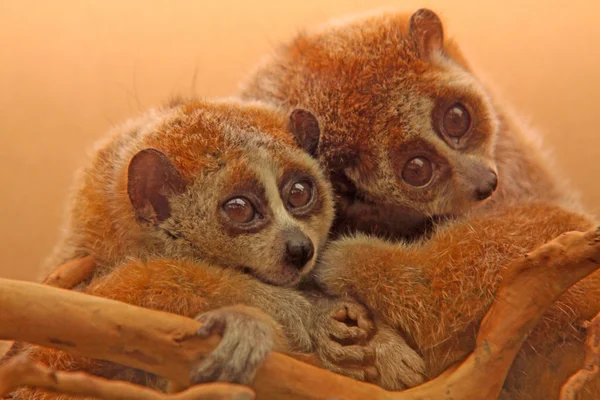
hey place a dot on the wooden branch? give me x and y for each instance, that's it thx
(66, 276)
(158, 342)
(591, 365)
(21, 371)
(530, 285)
(165, 344)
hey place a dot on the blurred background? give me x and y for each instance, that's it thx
(70, 69)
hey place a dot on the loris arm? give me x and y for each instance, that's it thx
(434, 290)
(189, 289)
(181, 288)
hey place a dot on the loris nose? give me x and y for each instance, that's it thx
(298, 249)
(487, 186)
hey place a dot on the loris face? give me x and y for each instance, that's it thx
(408, 133)
(266, 210)
(430, 154)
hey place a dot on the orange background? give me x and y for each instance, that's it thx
(70, 68)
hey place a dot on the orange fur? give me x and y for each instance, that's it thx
(375, 84)
(437, 291)
(375, 97)
(151, 208)
(184, 288)
(100, 218)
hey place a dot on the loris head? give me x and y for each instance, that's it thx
(408, 133)
(226, 185)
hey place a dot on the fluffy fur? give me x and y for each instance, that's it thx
(378, 85)
(152, 208)
(436, 292)
(377, 93)
(216, 147)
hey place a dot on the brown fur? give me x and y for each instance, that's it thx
(437, 291)
(150, 208)
(376, 83)
(376, 98)
(221, 139)
(184, 288)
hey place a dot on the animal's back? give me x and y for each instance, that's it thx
(88, 225)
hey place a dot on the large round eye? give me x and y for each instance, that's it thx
(417, 171)
(240, 210)
(300, 194)
(457, 121)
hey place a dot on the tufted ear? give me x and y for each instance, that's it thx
(305, 128)
(427, 31)
(151, 180)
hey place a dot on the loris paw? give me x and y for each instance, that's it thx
(340, 329)
(399, 366)
(247, 338)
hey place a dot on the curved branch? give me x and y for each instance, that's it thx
(530, 286)
(66, 276)
(166, 345)
(591, 367)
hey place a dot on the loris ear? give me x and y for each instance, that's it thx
(426, 29)
(151, 180)
(305, 127)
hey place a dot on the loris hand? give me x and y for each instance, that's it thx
(247, 338)
(340, 329)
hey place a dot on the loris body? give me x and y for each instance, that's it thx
(210, 208)
(411, 136)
